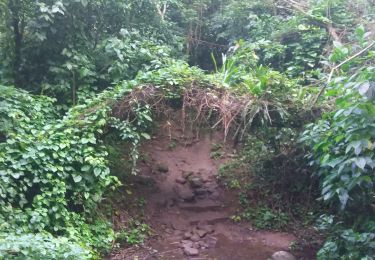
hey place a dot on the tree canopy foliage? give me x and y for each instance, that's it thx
(301, 71)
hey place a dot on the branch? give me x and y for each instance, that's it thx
(162, 10)
(328, 25)
(338, 66)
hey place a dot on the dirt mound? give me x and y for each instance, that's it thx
(189, 210)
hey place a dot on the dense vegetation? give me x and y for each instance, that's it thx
(300, 74)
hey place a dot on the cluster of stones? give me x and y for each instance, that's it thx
(193, 186)
(198, 238)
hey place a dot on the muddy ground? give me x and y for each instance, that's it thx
(187, 208)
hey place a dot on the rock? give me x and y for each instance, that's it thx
(187, 235)
(190, 251)
(201, 233)
(195, 238)
(202, 244)
(196, 182)
(185, 193)
(186, 243)
(186, 174)
(181, 180)
(208, 228)
(200, 191)
(210, 241)
(196, 245)
(162, 167)
(283, 255)
(212, 188)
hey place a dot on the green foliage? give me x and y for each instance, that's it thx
(19, 109)
(346, 243)
(55, 170)
(243, 19)
(40, 246)
(342, 153)
(134, 129)
(275, 189)
(265, 218)
(174, 73)
(342, 143)
(54, 173)
(134, 234)
(62, 47)
(53, 176)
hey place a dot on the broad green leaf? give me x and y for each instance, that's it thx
(85, 168)
(77, 178)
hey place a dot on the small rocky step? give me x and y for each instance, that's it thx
(201, 206)
(209, 217)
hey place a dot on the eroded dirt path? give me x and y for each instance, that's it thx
(189, 210)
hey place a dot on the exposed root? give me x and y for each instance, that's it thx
(217, 108)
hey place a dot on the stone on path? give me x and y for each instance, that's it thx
(187, 174)
(190, 251)
(184, 193)
(186, 243)
(208, 228)
(187, 235)
(181, 180)
(200, 191)
(196, 182)
(195, 238)
(201, 233)
(283, 255)
(162, 167)
(210, 241)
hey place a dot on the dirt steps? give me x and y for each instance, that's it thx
(188, 197)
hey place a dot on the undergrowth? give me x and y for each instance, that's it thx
(271, 180)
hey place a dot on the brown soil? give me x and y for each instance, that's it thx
(196, 214)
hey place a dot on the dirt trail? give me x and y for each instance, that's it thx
(188, 209)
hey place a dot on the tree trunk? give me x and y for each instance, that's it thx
(15, 8)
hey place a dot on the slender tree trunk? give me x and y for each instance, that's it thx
(15, 8)
(74, 88)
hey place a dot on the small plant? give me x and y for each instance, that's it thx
(134, 234)
(266, 218)
(172, 144)
(217, 155)
(141, 202)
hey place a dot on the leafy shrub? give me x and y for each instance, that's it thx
(52, 176)
(40, 246)
(345, 243)
(19, 109)
(173, 73)
(342, 144)
(275, 187)
(266, 218)
(342, 155)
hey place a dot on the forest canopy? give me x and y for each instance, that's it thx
(299, 76)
